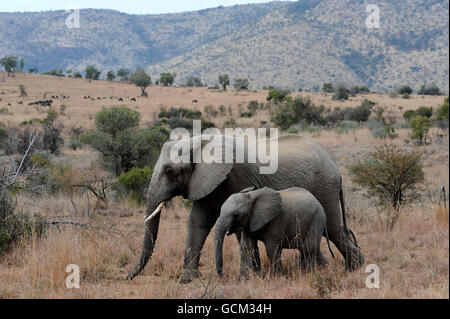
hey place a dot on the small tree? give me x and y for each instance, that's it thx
(443, 110)
(340, 92)
(10, 64)
(122, 145)
(123, 74)
(328, 87)
(241, 84)
(92, 73)
(277, 95)
(167, 79)
(110, 76)
(442, 116)
(420, 126)
(391, 174)
(193, 82)
(404, 89)
(429, 89)
(142, 80)
(224, 80)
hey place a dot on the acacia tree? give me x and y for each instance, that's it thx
(10, 64)
(141, 80)
(122, 145)
(123, 74)
(241, 84)
(391, 174)
(92, 73)
(167, 79)
(110, 76)
(224, 80)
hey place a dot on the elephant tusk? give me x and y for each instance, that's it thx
(157, 210)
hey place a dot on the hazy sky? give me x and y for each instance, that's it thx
(129, 6)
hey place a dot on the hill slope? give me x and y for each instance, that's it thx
(300, 44)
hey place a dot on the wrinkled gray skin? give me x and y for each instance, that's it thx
(301, 162)
(291, 219)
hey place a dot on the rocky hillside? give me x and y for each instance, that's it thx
(286, 44)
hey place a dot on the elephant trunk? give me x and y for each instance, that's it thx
(151, 232)
(219, 237)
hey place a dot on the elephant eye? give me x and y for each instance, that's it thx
(168, 170)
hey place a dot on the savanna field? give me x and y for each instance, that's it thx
(104, 237)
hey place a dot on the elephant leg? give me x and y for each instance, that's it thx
(249, 254)
(309, 252)
(274, 254)
(246, 256)
(321, 260)
(200, 222)
(353, 256)
(256, 260)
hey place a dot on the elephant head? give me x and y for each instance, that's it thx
(247, 209)
(174, 177)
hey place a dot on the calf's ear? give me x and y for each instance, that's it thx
(266, 206)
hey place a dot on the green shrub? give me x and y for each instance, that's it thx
(277, 95)
(419, 126)
(328, 87)
(340, 92)
(246, 114)
(409, 114)
(180, 122)
(120, 142)
(293, 130)
(429, 89)
(422, 111)
(360, 114)
(404, 89)
(443, 110)
(425, 111)
(294, 110)
(135, 182)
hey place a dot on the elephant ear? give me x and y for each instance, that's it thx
(266, 206)
(206, 177)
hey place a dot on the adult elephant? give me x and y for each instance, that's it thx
(301, 162)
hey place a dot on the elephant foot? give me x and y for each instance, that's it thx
(134, 272)
(188, 275)
(354, 261)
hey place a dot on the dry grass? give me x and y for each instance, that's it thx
(413, 258)
(413, 261)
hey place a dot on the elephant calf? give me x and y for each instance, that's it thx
(292, 218)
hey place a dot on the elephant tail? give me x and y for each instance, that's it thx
(347, 231)
(328, 242)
